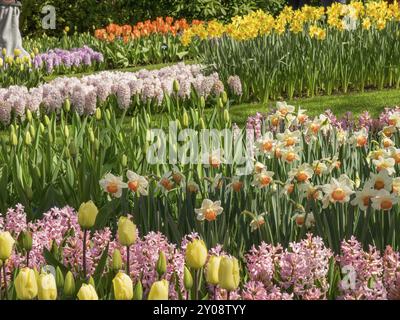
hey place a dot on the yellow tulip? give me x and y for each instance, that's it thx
(126, 231)
(47, 288)
(87, 214)
(17, 52)
(196, 254)
(123, 287)
(213, 270)
(6, 245)
(159, 290)
(26, 284)
(228, 274)
(87, 292)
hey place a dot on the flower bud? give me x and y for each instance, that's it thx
(202, 102)
(67, 105)
(202, 124)
(4, 52)
(228, 275)
(72, 149)
(108, 114)
(138, 291)
(25, 240)
(29, 115)
(161, 264)
(126, 231)
(98, 114)
(227, 118)
(59, 278)
(13, 139)
(26, 284)
(196, 254)
(213, 270)
(28, 138)
(185, 119)
(224, 97)
(47, 289)
(91, 282)
(117, 260)
(220, 104)
(91, 135)
(187, 279)
(124, 160)
(17, 52)
(46, 120)
(176, 86)
(41, 127)
(159, 290)
(66, 131)
(32, 130)
(87, 214)
(69, 285)
(87, 292)
(123, 287)
(6, 245)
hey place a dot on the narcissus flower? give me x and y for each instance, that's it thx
(137, 183)
(339, 190)
(263, 179)
(257, 222)
(236, 185)
(385, 164)
(382, 180)
(363, 197)
(384, 200)
(209, 210)
(302, 173)
(113, 185)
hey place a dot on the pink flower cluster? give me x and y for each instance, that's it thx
(300, 271)
(87, 92)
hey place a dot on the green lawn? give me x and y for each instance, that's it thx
(372, 101)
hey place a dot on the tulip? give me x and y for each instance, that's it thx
(187, 281)
(87, 215)
(25, 284)
(47, 288)
(196, 254)
(126, 236)
(123, 287)
(228, 274)
(17, 52)
(161, 264)
(176, 86)
(25, 241)
(69, 285)
(213, 270)
(159, 290)
(87, 292)
(6, 245)
(117, 260)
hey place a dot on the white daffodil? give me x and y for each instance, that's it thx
(177, 176)
(383, 164)
(319, 167)
(113, 185)
(257, 222)
(236, 185)
(363, 197)
(394, 119)
(395, 154)
(339, 190)
(284, 109)
(137, 183)
(289, 138)
(310, 192)
(166, 184)
(209, 210)
(213, 159)
(380, 181)
(384, 200)
(388, 131)
(302, 173)
(263, 179)
(359, 138)
(192, 187)
(266, 143)
(290, 154)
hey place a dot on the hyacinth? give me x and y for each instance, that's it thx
(235, 85)
(365, 270)
(66, 58)
(86, 92)
(273, 273)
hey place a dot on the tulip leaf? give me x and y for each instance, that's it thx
(101, 265)
(53, 261)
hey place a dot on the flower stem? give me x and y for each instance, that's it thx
(196, 284)
(27, 258)
(215, 292)
(5, 281)
(128, 271)
(84, 253)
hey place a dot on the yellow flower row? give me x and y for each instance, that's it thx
(338, 16)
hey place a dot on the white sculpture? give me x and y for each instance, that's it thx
(10, 36)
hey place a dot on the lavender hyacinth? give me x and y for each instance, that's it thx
(75, 57)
